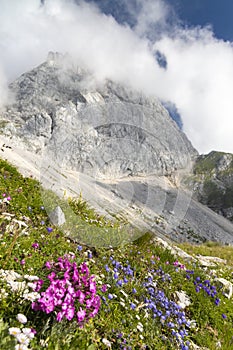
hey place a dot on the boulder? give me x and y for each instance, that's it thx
(57, 216)
(183, 299)
(226, 286)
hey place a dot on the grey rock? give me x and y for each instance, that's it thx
(208, 261)
(227, 287)
(183, 299)
(107, 131)
(213, 182)
(176, 251)
(224, 162)
(228, 212)
(57, 216)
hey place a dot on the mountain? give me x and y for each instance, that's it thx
(117, 147)
(105, 128)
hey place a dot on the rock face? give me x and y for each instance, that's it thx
(213, 182)
(105, 130)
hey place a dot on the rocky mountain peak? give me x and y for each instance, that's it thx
(104, 129)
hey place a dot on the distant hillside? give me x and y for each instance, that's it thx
(213, 182)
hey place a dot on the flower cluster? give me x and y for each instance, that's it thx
(21, 285)
(153, 301)
(71, 291)
(209, 289)
(121, 274)
(170, 314)
(24, 335)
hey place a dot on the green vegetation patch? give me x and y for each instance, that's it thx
(207, 163)
(58, 293)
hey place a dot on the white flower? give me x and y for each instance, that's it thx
(28, 332)
(32, 285)
(106, 342)
(14, 331)
(17, 286)
(11, 275)
(21, 318)
(31, 278)
(21, 347)
(23, 339)
(31, 296)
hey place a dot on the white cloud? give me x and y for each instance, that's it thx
(153, 15)
(3, 89)
(29, 31)
(199, 80)
(199, 75)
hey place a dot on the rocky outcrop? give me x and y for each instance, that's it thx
(105, 130)
(57, 216)
(213, 182)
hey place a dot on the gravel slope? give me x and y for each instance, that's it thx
(149, 203)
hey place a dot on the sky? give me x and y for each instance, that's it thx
(217, 13)
(180, 51)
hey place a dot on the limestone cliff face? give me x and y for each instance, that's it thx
(106, 130)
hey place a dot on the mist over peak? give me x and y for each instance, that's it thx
(198, 73)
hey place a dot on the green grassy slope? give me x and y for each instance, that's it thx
(57, 293)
